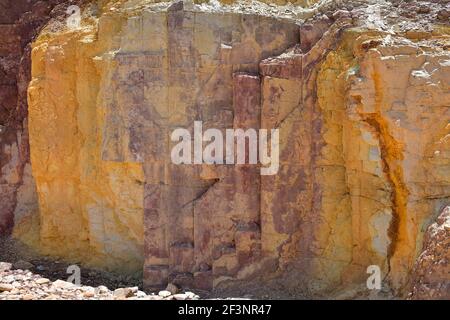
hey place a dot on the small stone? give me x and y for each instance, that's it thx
(86, 288)
(119, 293)
(15, 291)
(8, 279)
(444, 14)
(190, 295)
(123, 293)
(423, 9)
(180, 296)
(140, 294)
(89, 293)
(164, 293)
(61, 284)
(42, 281)
(172, 288)
(6, 287)
(23, 265)
(133, 290)
(5, 266)
(101, 290)
(27, 297)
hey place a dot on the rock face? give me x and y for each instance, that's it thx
(20, 22)
(361, 101)
(393, 142)
(432, 269)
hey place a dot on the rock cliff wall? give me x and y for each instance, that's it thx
(360, 94)
(20, 22)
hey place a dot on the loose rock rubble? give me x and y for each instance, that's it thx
(21, 284)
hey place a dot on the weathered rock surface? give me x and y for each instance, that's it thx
(431, 274)
(20, 22)
(391, 142)
(360, 94)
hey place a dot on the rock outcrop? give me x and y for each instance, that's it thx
(20, 22)
(431, 274)
(360, 94)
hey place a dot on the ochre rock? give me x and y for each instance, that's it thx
(390, 137)
(20, 22)
(362, 108)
